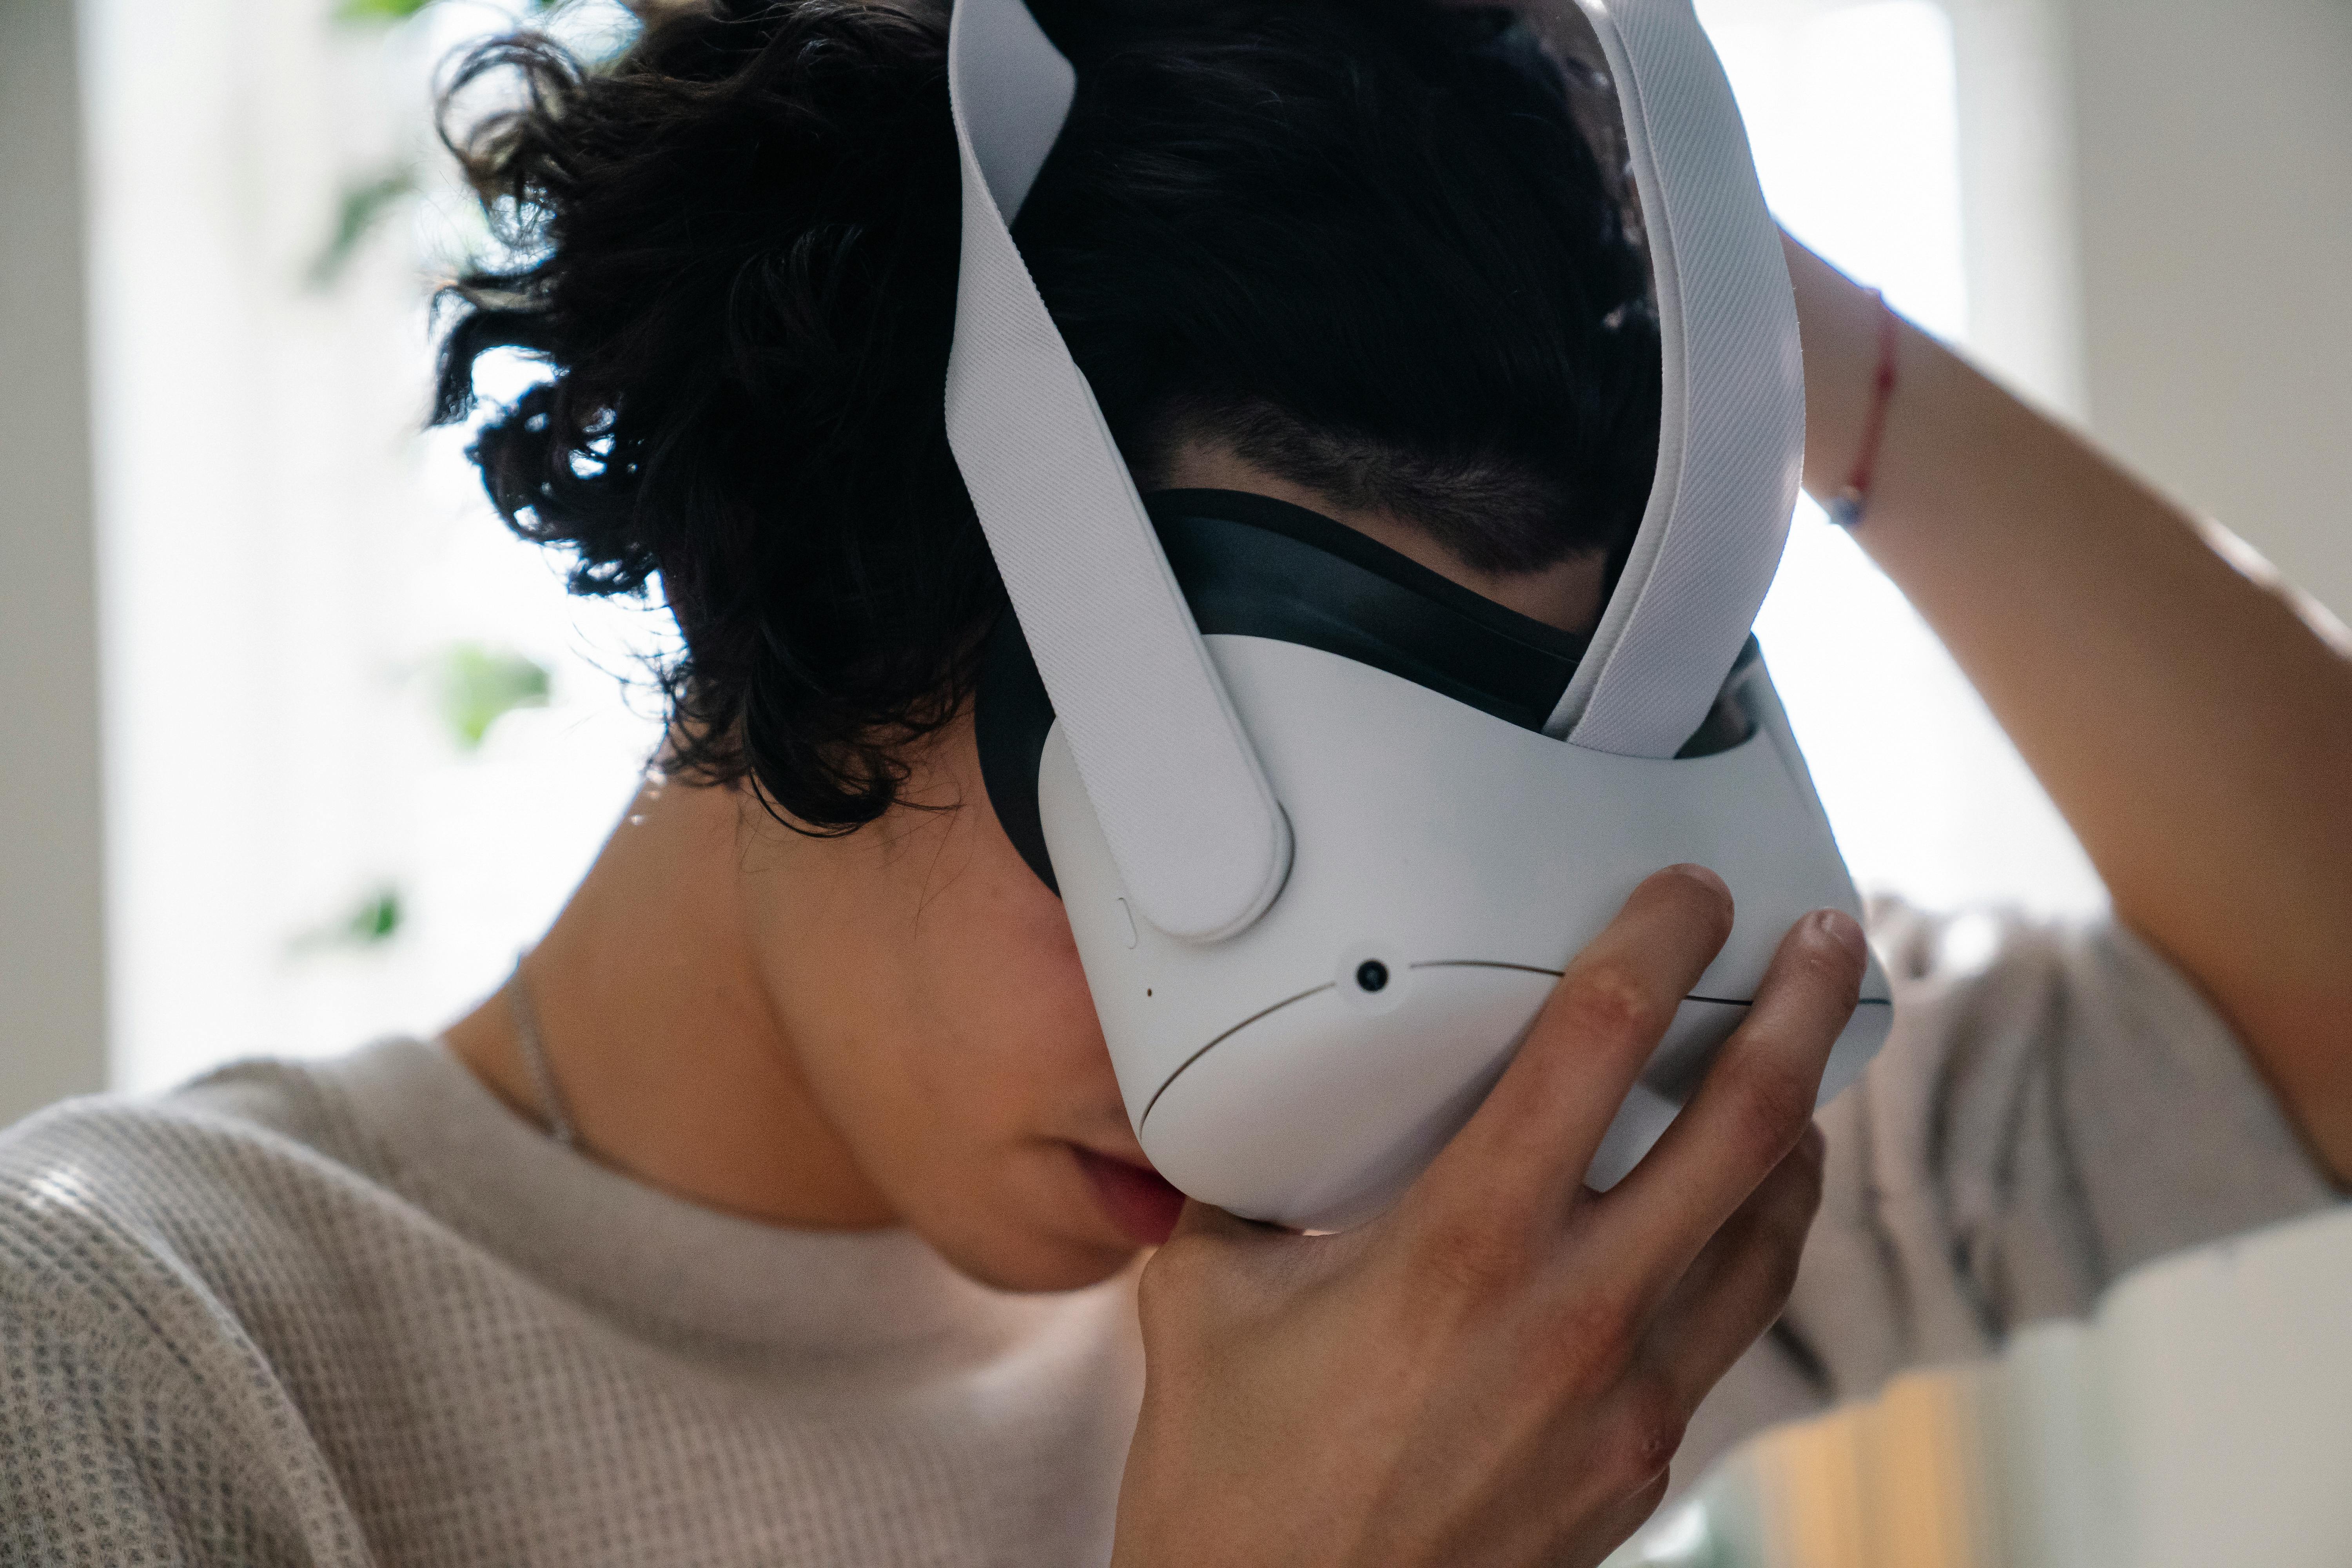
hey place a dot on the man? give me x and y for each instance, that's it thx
(783, 1208)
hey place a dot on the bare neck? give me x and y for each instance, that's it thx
(671, 1060)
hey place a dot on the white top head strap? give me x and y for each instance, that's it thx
(1731, 433)
(1199, 838)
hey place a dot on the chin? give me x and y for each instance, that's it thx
(1032, 1264)
(1024, 1219)
(1039, 1228)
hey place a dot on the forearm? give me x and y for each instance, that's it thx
(2196, 734)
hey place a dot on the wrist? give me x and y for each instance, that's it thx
(1844, 330)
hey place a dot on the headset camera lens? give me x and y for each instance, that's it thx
(1372, 974)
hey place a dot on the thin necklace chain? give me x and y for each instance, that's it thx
(551, 1110)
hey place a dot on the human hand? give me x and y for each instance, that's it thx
(1498, 1369)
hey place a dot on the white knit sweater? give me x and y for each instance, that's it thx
(357, 1313)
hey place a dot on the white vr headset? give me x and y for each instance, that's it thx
(1328, 826)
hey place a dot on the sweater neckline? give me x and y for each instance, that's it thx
(669, 1266)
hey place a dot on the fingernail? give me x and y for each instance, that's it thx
(1843, 930)
(1702, 877)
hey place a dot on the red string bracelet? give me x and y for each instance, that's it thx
(1852, 504)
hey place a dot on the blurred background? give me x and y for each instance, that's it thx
(297, 746)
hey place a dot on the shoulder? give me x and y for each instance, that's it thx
(245, 1187)
(140, 1243)
(157, 1221)
(233, 1161)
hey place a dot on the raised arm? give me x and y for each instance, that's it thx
(2195, 731)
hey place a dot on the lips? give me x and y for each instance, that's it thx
(1137, 1198)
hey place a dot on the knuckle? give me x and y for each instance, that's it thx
(1825, 966)
(1607, 1000)
(1645, 1434)
(1774, 1105)
(1836, 971)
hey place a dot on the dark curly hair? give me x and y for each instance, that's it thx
(1362, 242)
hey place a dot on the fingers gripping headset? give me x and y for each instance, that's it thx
(1327, 825)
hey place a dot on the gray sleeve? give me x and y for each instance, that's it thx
(137, 1425)
(2056, 1106)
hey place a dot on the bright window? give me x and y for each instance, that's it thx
(361, 744)
(1853, 112)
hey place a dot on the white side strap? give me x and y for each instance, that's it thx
(1182, 799)
(1732, 433)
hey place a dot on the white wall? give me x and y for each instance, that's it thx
(52, 967)
(2017, 178)
(2159, 234)
(216, 132)
(2213, 148)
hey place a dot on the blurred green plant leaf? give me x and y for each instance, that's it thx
(372, 921)
(476, 684)
(377, 919)
(361, 13)
(360, 211)
(364, 11)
